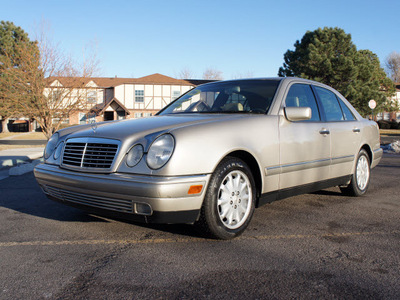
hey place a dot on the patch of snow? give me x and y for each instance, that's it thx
(392, 147)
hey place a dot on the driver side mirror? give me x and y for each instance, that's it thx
(298, 113)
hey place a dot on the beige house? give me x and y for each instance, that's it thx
(389, 116)
(127, 98)
(396, 98)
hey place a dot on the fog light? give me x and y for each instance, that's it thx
(143, 209)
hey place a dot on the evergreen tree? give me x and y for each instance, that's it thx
(11, 38)
(329, 56)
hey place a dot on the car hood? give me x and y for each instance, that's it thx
(120, 130)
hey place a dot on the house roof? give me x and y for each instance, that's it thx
(161, 79)
(100, 108)
(102, 82)
(105, 82)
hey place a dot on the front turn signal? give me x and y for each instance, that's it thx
(195, 189)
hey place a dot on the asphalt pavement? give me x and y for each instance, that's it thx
(322, 245)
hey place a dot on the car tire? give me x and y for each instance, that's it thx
(359, 182)
(229, 201)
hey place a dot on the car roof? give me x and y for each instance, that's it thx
(285, 79)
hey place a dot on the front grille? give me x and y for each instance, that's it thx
(88, 154)
(121, 205)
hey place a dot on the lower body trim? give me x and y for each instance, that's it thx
(303, 189)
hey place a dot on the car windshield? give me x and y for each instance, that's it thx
(240, 96)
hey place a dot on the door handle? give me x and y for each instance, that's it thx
(324, 131)
(356, 130)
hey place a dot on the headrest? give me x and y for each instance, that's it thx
(233, 107)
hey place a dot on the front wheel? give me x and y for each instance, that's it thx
(229, 201)
(360, 179)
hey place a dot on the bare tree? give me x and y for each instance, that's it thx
(392, 63)
(48, 85)
(212, 74)
(240, 75)
(185, 73)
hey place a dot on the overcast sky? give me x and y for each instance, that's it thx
(139, 38)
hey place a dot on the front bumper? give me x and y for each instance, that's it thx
(150, 199)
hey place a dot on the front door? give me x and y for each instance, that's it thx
(108, 116)
(304, 145)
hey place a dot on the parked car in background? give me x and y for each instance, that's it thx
(215, 154)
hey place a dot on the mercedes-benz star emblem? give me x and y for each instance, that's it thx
(93, 124)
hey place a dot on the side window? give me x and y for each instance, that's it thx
(301, 95)
(346, 111)
(330, 104)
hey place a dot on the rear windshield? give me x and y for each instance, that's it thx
(241, 96)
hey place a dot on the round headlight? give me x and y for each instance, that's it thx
(160, 151)
(51, 145)
(134, 155)
(58, 151)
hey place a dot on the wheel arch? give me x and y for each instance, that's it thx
(367, 148)
(253, 165)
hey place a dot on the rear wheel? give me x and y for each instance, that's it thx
(359, 183)
(229, 201)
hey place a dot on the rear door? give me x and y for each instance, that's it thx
(344, 131)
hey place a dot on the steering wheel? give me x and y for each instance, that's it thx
(198, 106)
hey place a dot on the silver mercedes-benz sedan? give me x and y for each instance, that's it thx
(214, 154)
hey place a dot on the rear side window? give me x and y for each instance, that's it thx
(346, 111)
(330, 104)
(301, 95)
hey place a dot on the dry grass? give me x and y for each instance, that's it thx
(389, 131)
(21, 136)
(5, 135)
(31, 136)
(8, 147)
(24, 135)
